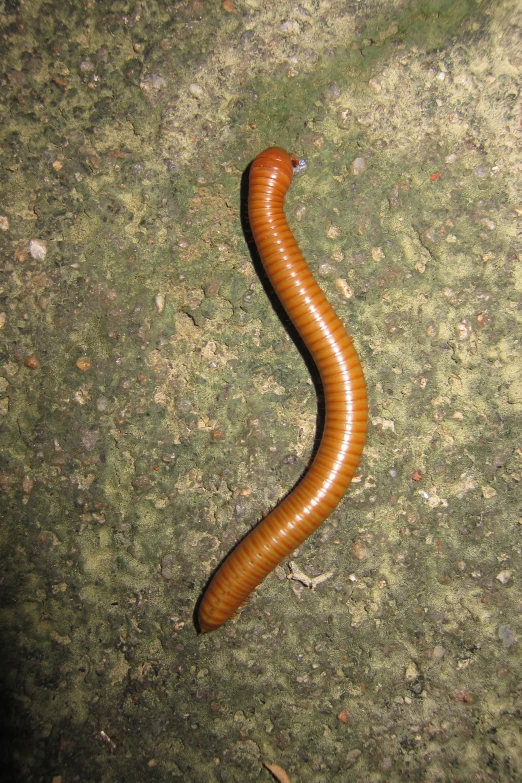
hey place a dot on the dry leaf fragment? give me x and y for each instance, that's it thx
(277, 772)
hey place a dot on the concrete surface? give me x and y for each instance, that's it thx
(153, 405)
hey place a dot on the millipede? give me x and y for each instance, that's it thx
(345, 400)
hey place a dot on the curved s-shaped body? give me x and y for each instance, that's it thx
(346, 404)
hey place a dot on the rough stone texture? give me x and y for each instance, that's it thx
(152, 405)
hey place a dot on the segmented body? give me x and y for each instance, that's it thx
(346, 404)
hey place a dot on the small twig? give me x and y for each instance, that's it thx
(307, 581)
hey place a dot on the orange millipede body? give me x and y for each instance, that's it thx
(346, 404)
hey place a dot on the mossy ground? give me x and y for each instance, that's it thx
(153, 405)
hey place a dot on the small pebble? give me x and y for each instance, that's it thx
(359, 550)
(344, 118)
(167, 567)
(326, 270)
(38, 249)
(344, 288)
(196, 90)
(463, 695)
(412, 672)
(507, 635)
(3, 319)
(86, 66)
(333, 231)
(358, 167)
(83, 365)
(463, 330)
(4, 223)
(300, 212)
(246, 37)
(334, 91)
(374, 85)
(142, 483)
(488, 492)
(450, 295)
(489, 223)
(504, 576)
(31, 362)
(89, 439)
(153, 82)
(102, 403)
(27, 484)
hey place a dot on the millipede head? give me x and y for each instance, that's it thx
(275, 160)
